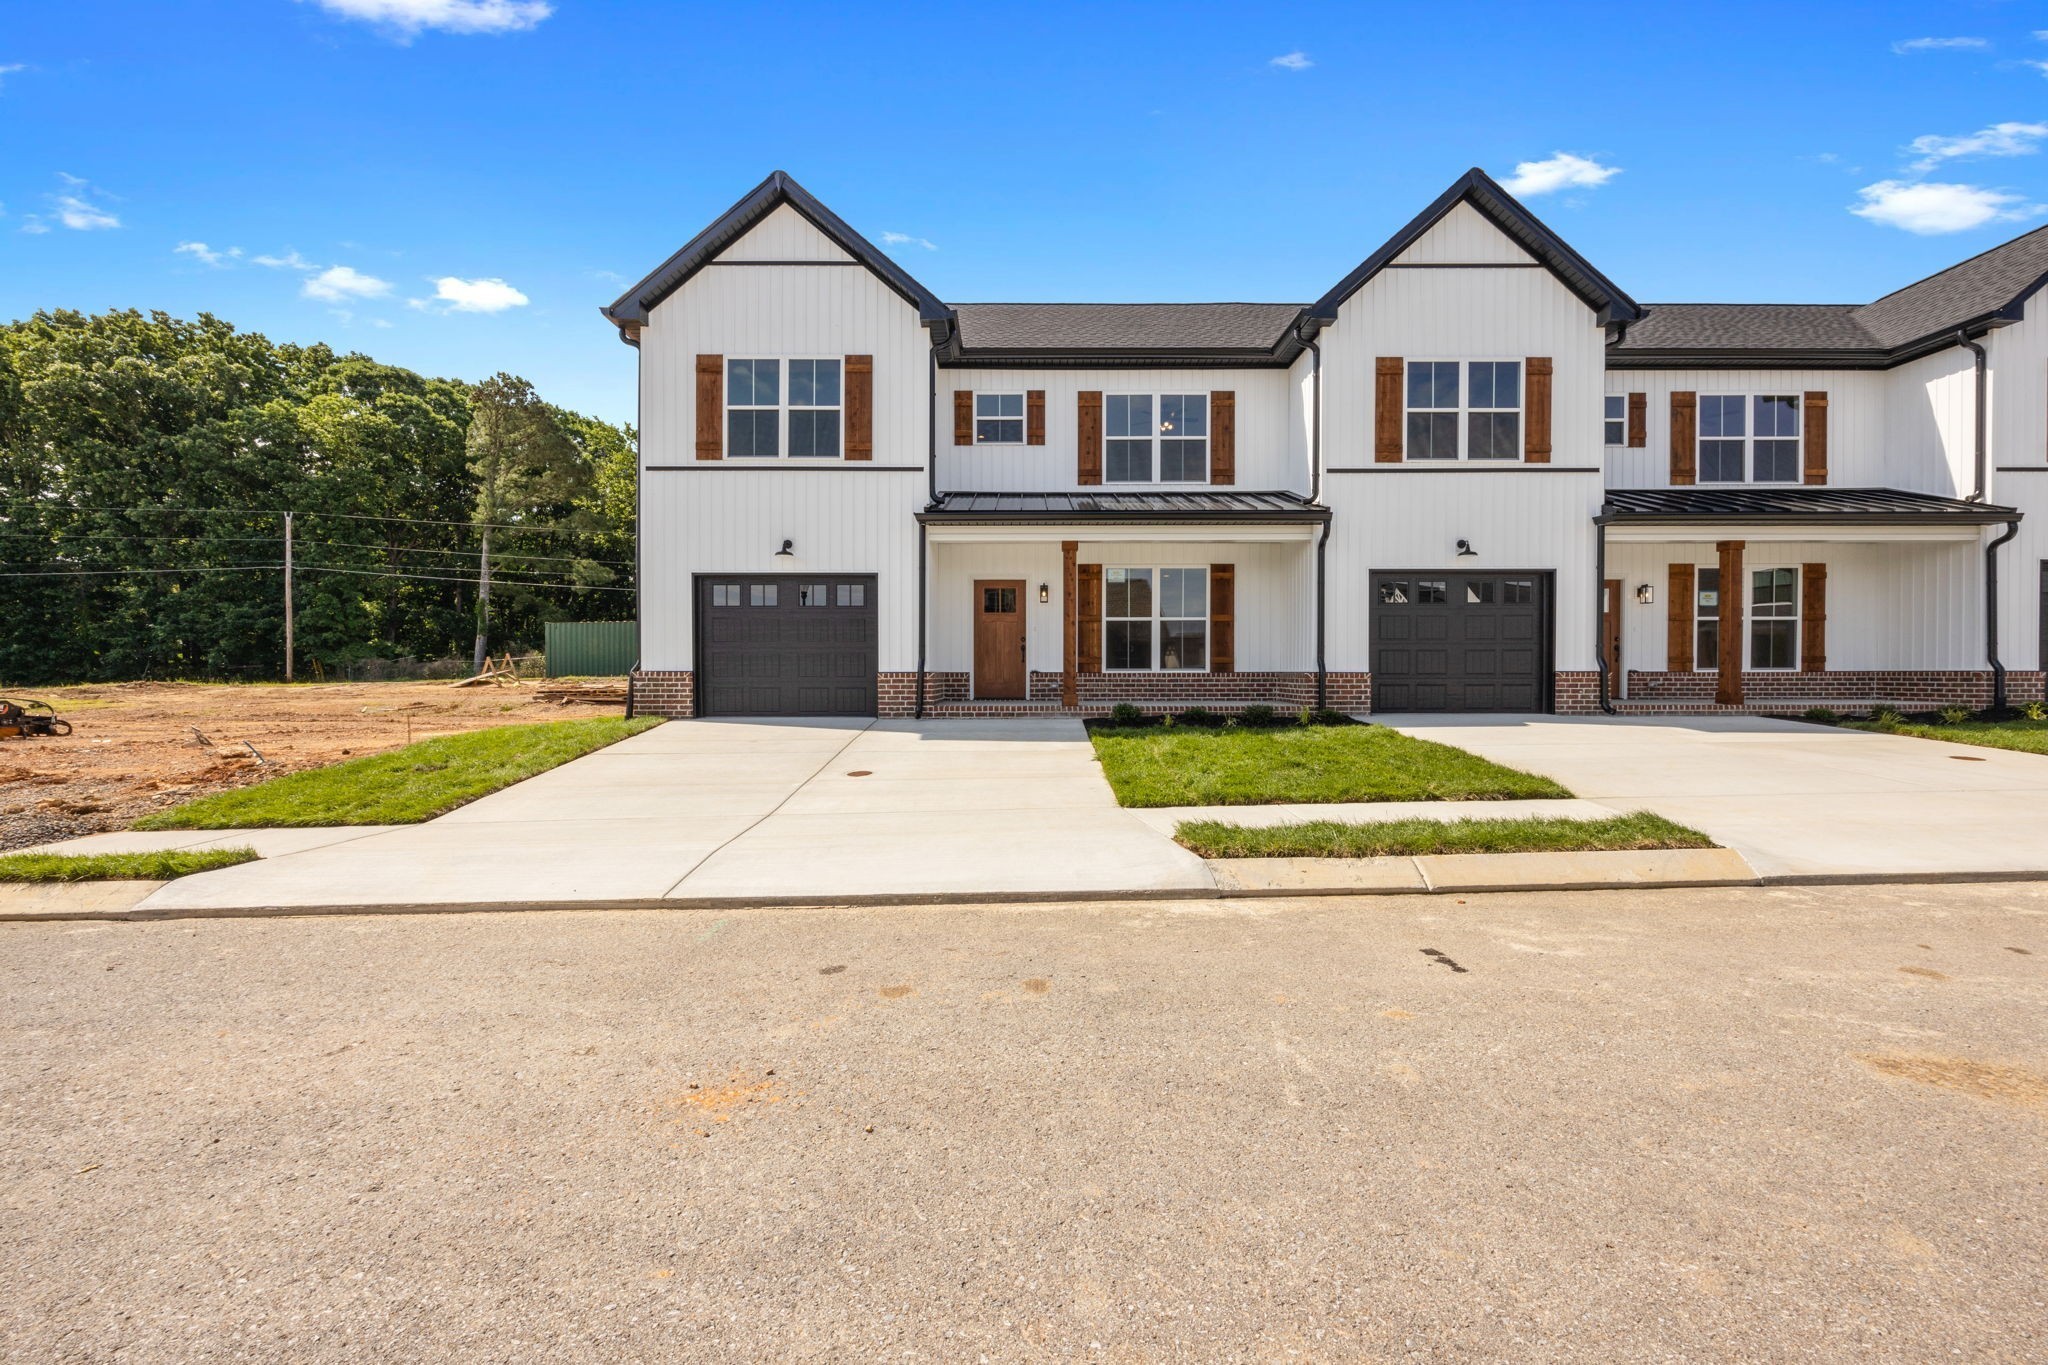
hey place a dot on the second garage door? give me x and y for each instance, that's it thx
(1460, 642)
(786, 645)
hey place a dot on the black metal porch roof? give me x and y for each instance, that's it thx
(1827, 506)
(1213, 505)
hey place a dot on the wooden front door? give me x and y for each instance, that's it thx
(1610, 635)
(999, 638)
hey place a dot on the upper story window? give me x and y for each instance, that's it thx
(999, 419)
(1155, 438)
(778, 407)
(1464, 409)
(1614, 413)
(1749, 438)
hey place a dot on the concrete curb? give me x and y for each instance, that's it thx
(117, 902)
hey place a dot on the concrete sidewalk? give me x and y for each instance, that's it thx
(753, 812)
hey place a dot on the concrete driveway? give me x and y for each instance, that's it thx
(752, 810)
(1792, 798)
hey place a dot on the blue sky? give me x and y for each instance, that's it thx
(457, 185)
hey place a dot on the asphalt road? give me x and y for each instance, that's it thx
(1738, 1125)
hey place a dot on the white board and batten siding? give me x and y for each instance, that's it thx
(1270, 453)
(725, 516)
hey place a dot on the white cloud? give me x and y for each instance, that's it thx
(81, 216)
(34, 225)
(1939, 45)
(202, 252)
(473, 296)
(2000, 139)
(905, 239)
(406, 19)
(339, 283)
(291, 260)
(9, 69)
(1292, 61)
(1930, 209)
(1563, 171)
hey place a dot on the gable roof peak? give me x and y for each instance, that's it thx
(1505, 212)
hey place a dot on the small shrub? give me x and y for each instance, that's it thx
(1123, 713)
(2034, 710)
(1199, 718)
(1821, 715)
(1257, 717)
(1954, 715)
(1324, 716)
(1885, 718)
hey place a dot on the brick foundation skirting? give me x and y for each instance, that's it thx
(1575, 694)
(670, 693)
(1909, 689)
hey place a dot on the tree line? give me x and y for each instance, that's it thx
(146, 463)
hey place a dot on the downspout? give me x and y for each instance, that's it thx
(1315, 495)
(1998, 702)
(1322, 596)
(923, 553)
(1978, 443)
(1600, 611)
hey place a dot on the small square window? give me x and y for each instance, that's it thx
(852, 594)
(725, 594)
(998, 419)
(1394, 594)
(1518, 592)
(814, 595)
(1616, 419)
(1479, 592)
(761, 594)
(1430, 591)
(999, 601)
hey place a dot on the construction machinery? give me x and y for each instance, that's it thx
(30, 720)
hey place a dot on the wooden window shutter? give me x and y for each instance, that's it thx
(1536, 420)
(1223, 436)
(1222, 618)
(710, 407)
(1678, 610)
(1685, 432)
(1387, 409)
(1090, 625)
(860, 407)
(1816, 431)
(1034, 417)
(963, 417)
(1088, 462)
(1813, 618)
(1638, 420)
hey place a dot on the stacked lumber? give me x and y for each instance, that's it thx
(604, 691)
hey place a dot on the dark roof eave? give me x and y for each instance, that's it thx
(1991, 516)
(1619, 357)
(1307, 516)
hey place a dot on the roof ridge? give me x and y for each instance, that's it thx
(1924, 279)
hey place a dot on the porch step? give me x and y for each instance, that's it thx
(1771, 707)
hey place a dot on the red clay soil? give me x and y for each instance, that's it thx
(138, 747)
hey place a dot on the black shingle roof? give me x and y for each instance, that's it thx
(1734, 503)
(1985, 284)
(1115, 505)
(1006, 327)
(1748, 326)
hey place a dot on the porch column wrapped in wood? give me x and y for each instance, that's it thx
(1685, 407)
(1070, 614)
(1387, 409)
(1088, 432)
(1815, 416)
(1813, 618)
(963, 417)
(1222, 618)
(1223, 436)
(1536, 417)
(1678, 618)
(1088, 632)
(1728, 688)
(860, 407)
(710, 407)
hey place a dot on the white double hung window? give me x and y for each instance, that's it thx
(1749, 438)
(782, 408)
(999, 419)
(1155, 438)
(1155, 619)
(1464, 409)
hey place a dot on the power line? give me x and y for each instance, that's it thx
(159, 510)
(200, 538)
(495, 579)
(116, 573)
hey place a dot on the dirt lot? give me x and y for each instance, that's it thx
(137, 747)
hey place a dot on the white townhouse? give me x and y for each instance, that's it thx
(1473, 476)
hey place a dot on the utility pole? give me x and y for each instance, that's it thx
(287, 597)
(483, 603)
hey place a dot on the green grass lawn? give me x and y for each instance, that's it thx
(1320, 763)
(118, 867)
(404, 786)
(1534, 834)
(2028, 736)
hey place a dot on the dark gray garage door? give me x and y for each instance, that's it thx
(1460, 642)
(786, 645)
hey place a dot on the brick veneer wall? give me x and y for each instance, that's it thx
(1915, 688)
(671, 693)
(1575, 694)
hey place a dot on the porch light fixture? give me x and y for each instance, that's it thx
(788, 550)
(1465, 550)
(1645, 594)
(1044, 593)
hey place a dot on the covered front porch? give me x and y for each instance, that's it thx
(1070, 603)
(1780, 600)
